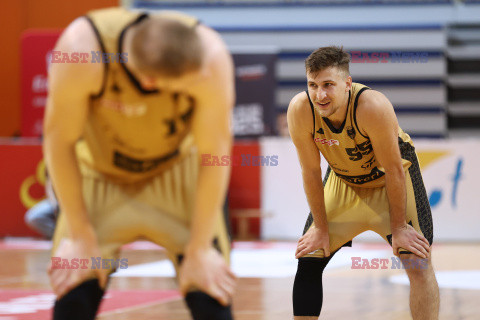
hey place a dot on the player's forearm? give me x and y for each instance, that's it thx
(209, 199)
(397, 197)
(313, 186)
(65, 174)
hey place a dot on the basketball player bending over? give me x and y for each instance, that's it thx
(123, 137)
(373, 182)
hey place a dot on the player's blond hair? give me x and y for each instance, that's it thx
(165, 47)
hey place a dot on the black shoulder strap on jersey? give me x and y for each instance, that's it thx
(130, 75)
(102, 48)
(355, 105)
(313, 112)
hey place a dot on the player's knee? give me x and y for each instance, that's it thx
(307, 288)
(311, 268)
(418, 269)
(204, 307)
(81, 303)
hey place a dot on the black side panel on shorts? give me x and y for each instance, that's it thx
(421, 199)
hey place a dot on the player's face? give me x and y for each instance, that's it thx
(327, 89)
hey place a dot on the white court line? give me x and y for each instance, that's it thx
(458, 279)
(274, 262)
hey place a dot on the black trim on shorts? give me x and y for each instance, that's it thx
(389, 239)
(102, 48)
(313, 112)
(355, 106)
(424, 212)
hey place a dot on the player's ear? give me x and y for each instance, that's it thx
(349, 84)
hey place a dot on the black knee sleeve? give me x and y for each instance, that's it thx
(204, 307)
(307, 288)
(81, 303)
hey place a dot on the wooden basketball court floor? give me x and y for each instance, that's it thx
(146, 290)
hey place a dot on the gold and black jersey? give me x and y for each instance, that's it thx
(348, 152)
(132, 133)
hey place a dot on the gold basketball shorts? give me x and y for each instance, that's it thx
(158, 210)
(353, 210)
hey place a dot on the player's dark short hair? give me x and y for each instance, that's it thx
(165, 47)
(326, 57)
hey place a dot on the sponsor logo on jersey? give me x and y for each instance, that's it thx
(128, 163)
(369, 163)
(373, 175)
(129, 110)
(329, 142)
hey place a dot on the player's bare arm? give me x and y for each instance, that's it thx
(203, 266)
(376, 118)
(70, 86)
(300, 126)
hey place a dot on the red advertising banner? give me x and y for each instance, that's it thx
(244, 192)
(36, 54)
(22, 176)
(23, 179)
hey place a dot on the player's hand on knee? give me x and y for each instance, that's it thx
(407, 238)
(67, 269)
(314, 239)
(207, 271)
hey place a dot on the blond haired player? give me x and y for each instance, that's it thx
(373, 182)
(122, 142)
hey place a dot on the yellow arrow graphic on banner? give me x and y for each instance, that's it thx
(427, 158)
(27, 200)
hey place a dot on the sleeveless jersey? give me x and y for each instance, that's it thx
(132, 133)
(348, 152)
